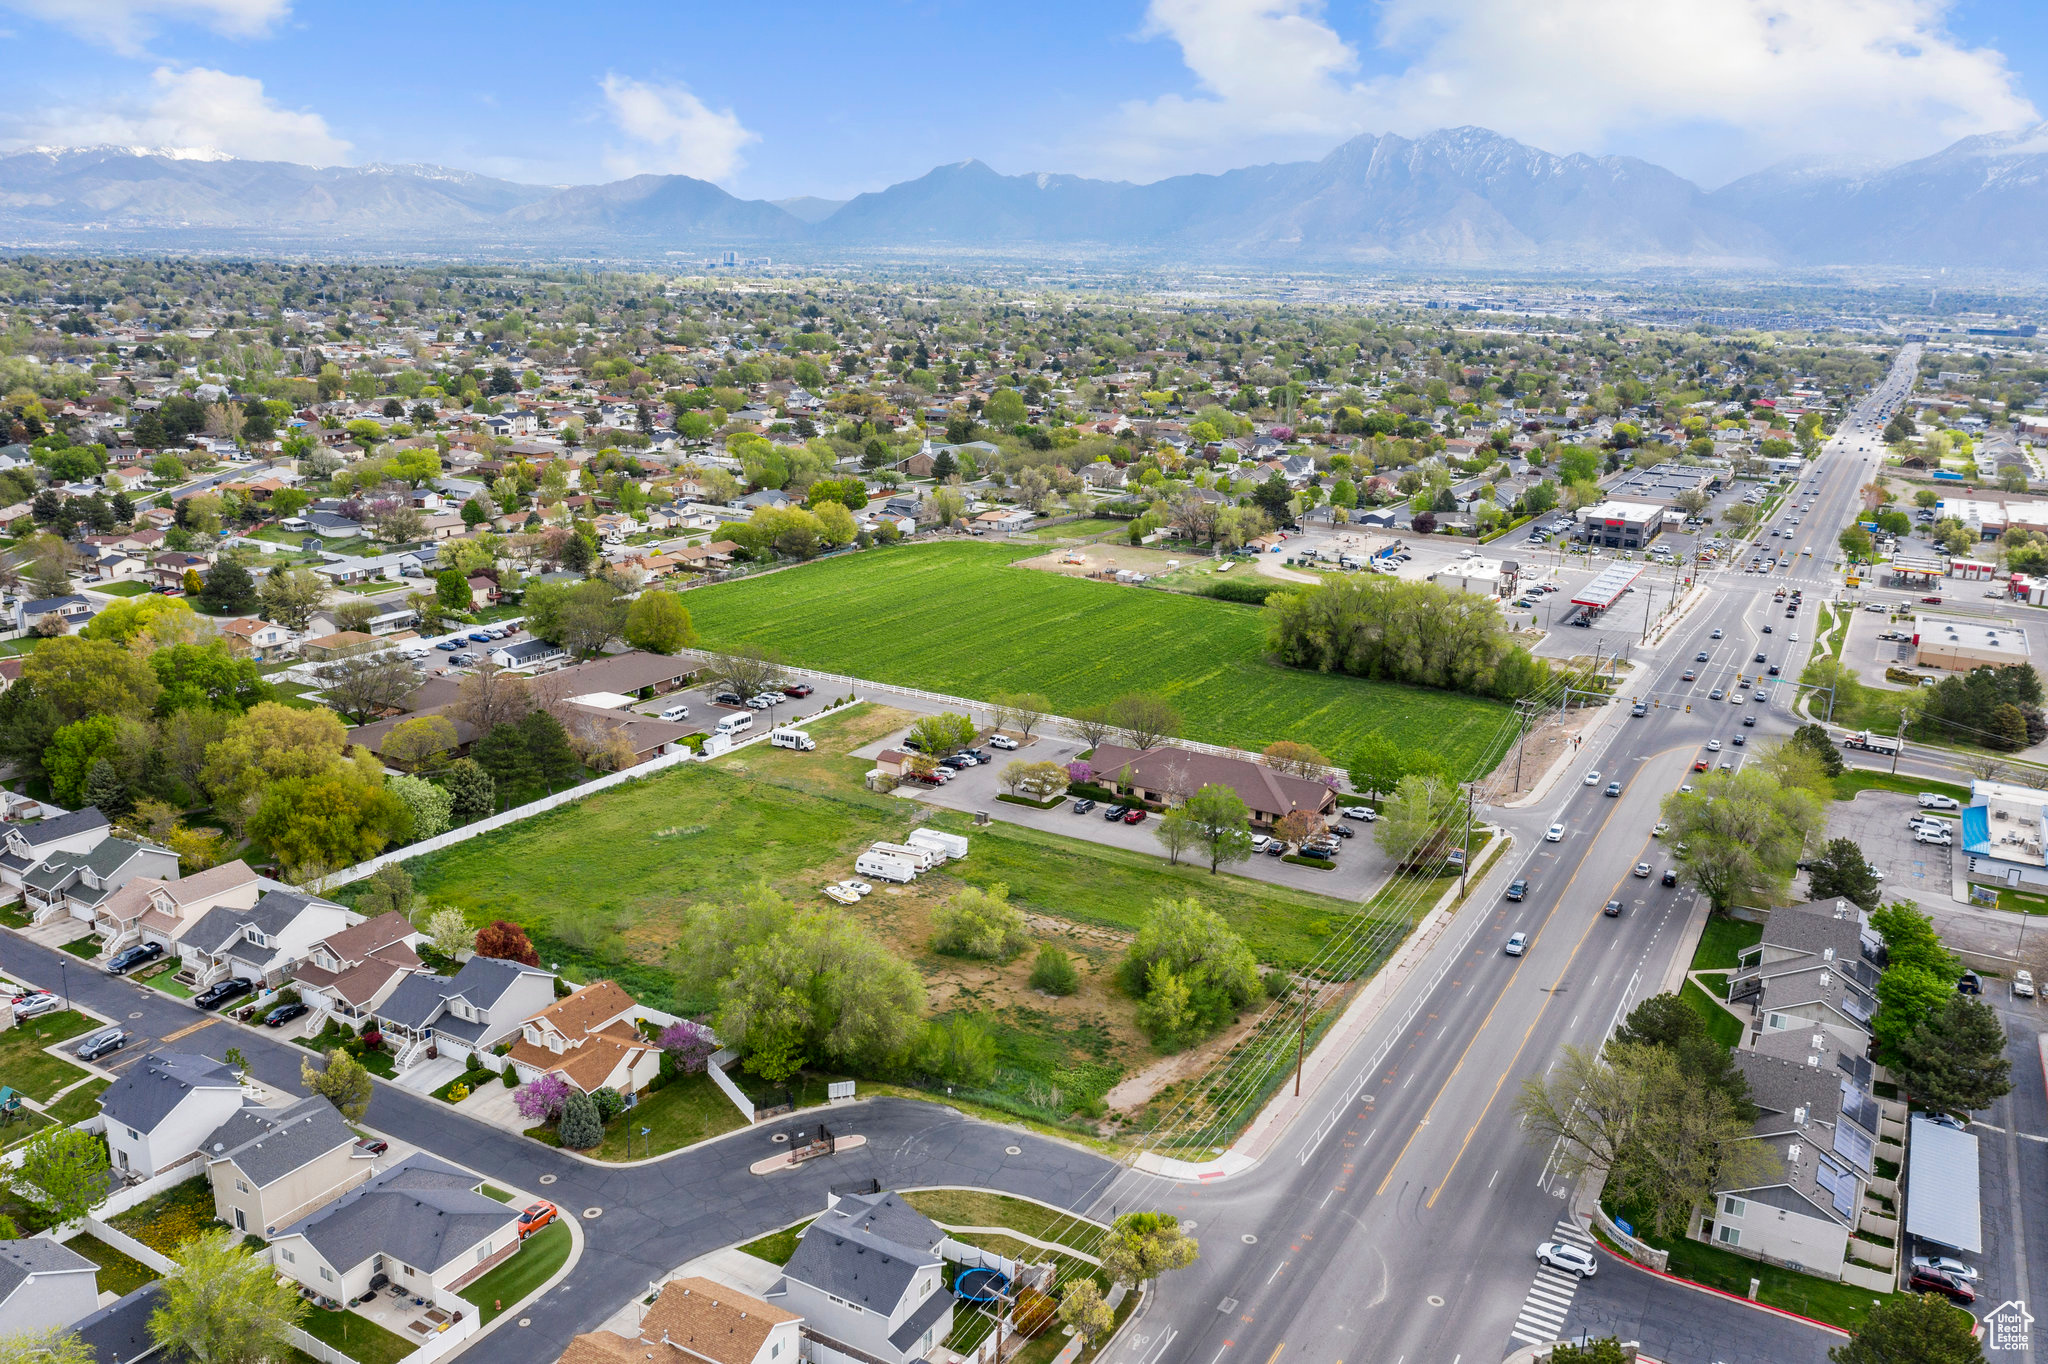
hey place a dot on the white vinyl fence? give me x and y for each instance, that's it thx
(720, 1059)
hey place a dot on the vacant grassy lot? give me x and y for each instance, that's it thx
(172, 1218)
(958, 618)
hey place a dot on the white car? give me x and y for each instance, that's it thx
(1517, 944)
(1939, 837)
(1713, 745)
(1568, 1257)
(1663, 828)
(1948, 1265)
(2023, 984)
(758, 703)
(1593, 778)
(36, 1005)
(1364, 812)
(1930, 801)
(1643, 869)
(1554, 834)
(1002, 741)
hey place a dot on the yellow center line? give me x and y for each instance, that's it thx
(1276, 1352)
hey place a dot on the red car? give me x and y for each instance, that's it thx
(1135, 817)
(1930, 1280)
(1931, 601)
(799, 691)
(536, 1217)
(1700, 766)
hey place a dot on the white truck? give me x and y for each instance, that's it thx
(952, 845)
(1883, 744)
(791, 738)
(883, 867)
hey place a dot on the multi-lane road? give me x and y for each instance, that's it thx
(1398, 1221)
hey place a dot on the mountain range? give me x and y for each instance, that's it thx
(1458, 197)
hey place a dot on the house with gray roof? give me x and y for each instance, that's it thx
(164, 1107)
(423, 1225)
(44, 1286)
(78, 883)
(473, 1010)
(119, 1332)
(70, 609)
(1816, 965)
(24, 846)
(264, 941)
(868, 1276)
(270, 1167)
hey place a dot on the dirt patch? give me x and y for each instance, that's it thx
(1548, 738)
(1138, 1089)
(1084, 561)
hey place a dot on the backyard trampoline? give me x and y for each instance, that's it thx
(981, 1285)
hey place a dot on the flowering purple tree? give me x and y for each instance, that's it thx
(542, 1100)
(1081, 772)
(689, 1045)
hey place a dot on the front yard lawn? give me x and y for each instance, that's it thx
(684, 1112)
(124, 589)
(356, 1336)
(532, 1265)
(168, 982)
(85, 948)
(980, 1208)
(25, 1066)
(80, 1103)
(1722, 941)
(172, 1218)
(1722, 1026)
(777, 1246)
(120, 1274)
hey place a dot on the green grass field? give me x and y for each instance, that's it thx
(120, 1274)
(25, 1066)
(1722, 941)
(959, 618)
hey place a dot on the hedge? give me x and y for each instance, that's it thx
(1319, 863)
(1053, 803)
(1237, 589)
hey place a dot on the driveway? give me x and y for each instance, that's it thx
(1361, 866)
(639, 1222)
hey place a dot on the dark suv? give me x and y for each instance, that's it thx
(1927, 1279)
(128, 958)
(729, 698)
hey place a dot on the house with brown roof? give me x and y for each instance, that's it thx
(1169, 775)
(717, 554)
(591, 1039)
(257, 639)
(341, 644)
(160, 911)
(351, 972)
(697, 1321)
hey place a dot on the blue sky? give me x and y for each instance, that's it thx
(802, 98)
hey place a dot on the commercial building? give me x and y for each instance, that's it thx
(1663, 483)
(1621, 525)
(1959, 645)
(2004, 831)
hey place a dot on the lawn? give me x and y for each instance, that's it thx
(356, 1336)
(80, 1104)
(120, 1274)
(85, 948)
(25, 1066)
(1722, 1026)
(1864, 779)
(1722, 941)
(125, 589)
(173, 1217)
(168, 982)
(1087, 525)
(876, 614)
(530, 1267)
(683, 1112)
(980, 1208)
(777, 1246)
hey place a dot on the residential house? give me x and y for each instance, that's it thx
(351, 972)
(423, 1224)
(1174, 774)
(867, 1277)
(1822, 1125)
(254, 639)
(163, 1108)
(169, 569)
(625, 674)
(1815, 966)
(78, 883)
(716, 554)
(479, 1006)
(591, 1039)
(24, 846)
(149, 909)
(527, 653)
(1005, 519)
(697, 1321)
(340, 644)
(71, 611)
(119, 1332)
(263, 942)
(271, 1166)
(44, 1286)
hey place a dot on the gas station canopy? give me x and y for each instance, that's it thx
(1605, 590)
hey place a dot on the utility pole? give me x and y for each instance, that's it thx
(1465, 866)
(1649, 609)
(1901, 748)
(1523, 711)
(1301, 1049)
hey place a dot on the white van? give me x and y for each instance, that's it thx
(730, 725)
(791, 738)
(883, 867)
(674, 713)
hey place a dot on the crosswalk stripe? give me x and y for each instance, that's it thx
(1547, 1319)
(1551, 1293)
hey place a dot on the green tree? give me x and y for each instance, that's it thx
(206, 677)
(472, 793)
(1220, 823)
(1413, 817)
(451, 590)
(548, 755)
(581, 1127)
(1144, 1245)
(821, 990)
(1855, 542)
(1912, 1328)
(1083, 1307)
(123, 619)
(72, 753)
(229, 590)
(54, 1346)
(1004, 408)
(1955, 1060)
(1814, 739)
(659, 623)
(1908, 995)
(335, 819)
(1182, 946)
(389, 890)
(1667, 1021)
(429, 805)
(1743, 834)
(1841, 871)
(940, 734)
(63, 1173)
(1377, 766)
(1054, 971)
(222, 1305)
(343, 1082)
(979, 923)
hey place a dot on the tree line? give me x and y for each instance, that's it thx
(1389, 630)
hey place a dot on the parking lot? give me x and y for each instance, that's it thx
(1361, 866)
(1877, 821)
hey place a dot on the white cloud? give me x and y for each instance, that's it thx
(1770, 78)
(192, 109)
(674, 132)
(124, 24)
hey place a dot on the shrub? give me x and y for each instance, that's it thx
(610, 1103)
(1237, 589)
(959, 1050)
(544, 1099)
(511, 1078)
(979, 923)
(687, 1047)
(474, 1064)
(580, 1128)
(457, 1092)
(1032, 1312)
(1054, 971)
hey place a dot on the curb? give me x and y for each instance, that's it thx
(511, 1313)
(1719, 1292)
